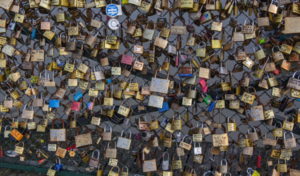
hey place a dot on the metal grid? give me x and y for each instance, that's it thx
(126, 158)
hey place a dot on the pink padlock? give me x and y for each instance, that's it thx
(203, 84)
(75, 106)
(126, 59)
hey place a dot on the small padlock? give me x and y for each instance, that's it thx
(58, 166)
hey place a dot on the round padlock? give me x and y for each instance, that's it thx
(113, 24)
(72, 153)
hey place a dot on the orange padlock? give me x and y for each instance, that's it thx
(16, 134)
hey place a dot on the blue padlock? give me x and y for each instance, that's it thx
(164, 122)
(211, 106)
(78, 95)
(58, 166)
(165, 107)
(185, 75)
(60, 63)
(33, 33)
(108, 81)
(53, 103)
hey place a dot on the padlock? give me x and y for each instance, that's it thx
(100, 170)
(282, 167)
(1, 152)
(223, 166)
(231, 126)
(58, 166)
(216, 43)
(273, 7)
(252, 172)
(84, 157)
(177, 123)
(197, 149)
(165, 161)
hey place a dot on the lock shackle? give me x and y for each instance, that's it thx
(295, 74)
(217, 129)
(111, 169)
(246, 74)
(179, 18)
(5, 127)
(251, 88)
(166, 156)
(290, 119)
(187, 136)
(174, 156)
(100, 166)
(108, 145)
(97, 151)
(278, 161)
(193, 171)
(202, 44)
(207, 173)
(229, 120)
(125, 169)
(195, 144)
(254, 130)
(241, 48)
(239, 26)
(209, 1)
(250, 171)
(213, 37)
(20, 143)
(278, 122)
(86, 62)
(285, 133)
(122, 132)
(242, 136)
(57, 160)
(275, 47)
(177, 117)
(245, 21)
(57, 119)
(274, 1)
(25, 106)
(145, 119)
(71, 39)
(203, 124)
(223, 162)
(106, 127)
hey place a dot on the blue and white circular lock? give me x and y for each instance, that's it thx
(113, 10)
(113, 24)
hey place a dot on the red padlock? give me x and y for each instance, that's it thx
(41, 161)
(258, 161)
(276, 72)
(1, 152)
(75, 106)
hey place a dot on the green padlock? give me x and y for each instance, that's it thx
(207, 99)
(262, 40)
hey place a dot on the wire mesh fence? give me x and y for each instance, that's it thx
(195, 114)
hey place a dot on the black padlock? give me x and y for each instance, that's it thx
(283, 104)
